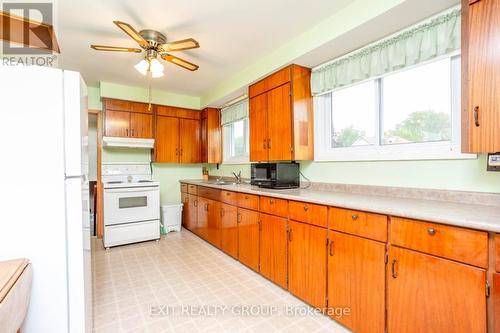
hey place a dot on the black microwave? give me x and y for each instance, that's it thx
(279, 175)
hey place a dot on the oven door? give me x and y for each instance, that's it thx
(124, 205)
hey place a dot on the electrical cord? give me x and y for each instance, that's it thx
(307, 179)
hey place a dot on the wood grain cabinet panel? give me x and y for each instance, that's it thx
(117, 105)
(248, 201)
(209, 192)
(229, 197)
(213, 223)
(192, 189)
(279, 127)
(258, 128)
(497, 253)
(373, 226)
(184, 188)
(434, 295)
(185, 209)
(356, 280)
(189, 141)
(203, 214)
(274, 206)
(167, 140)
(307, 263)
(273, 249)
(248, 238)
(465, 245)
(495, 293)
(229, 229)
(211, 136)
(141, 125)
(117, 123)
(308, 213)
(483, 70)
(192, 214)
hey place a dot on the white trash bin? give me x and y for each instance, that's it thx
(171, 216)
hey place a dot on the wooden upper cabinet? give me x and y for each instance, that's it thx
(307, 263)
(141, 125)
(356, 280)
(279, 126)
(211, 137)
(434, 295)
(281, 116)
(258, 128)
(167, 140)
(189, 142)
(117, 123)
(273, 249)
(481, 76)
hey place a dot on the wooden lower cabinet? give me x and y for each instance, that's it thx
(229, 230)
(273, 249)
(356, 281)
(213, 223)
(202, 222)
(495, 293)
(307, 263)
(185, 209)
(434, 295)
(248, 238)
(192, 212)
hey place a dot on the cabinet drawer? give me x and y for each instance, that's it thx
(368, 225)
(309, 213)
(192, 189)
(274, 206)
(184, 188)
(248, 201)
(229, 197)
(464, 245)
(209, 193)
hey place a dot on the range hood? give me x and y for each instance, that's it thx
(110, 141)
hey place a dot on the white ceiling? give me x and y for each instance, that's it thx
(232, 35)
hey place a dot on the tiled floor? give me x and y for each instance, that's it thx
(183, 284)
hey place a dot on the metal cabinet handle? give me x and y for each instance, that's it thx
(268, 143)
(126, 131)
(176, 151)
(271, 201)
(476, 115)
(289, 234)
(431, 231)
(393, 269)
(222, 212)
(330, 249)
(132, 131)
(238, 218)
(354, 217)
(206, 207)
(306, 207)
(264, 145)
(196, 202)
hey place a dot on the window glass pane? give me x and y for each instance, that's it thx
(353, 116)
(417, 104)
(239, 138)
(235, 139)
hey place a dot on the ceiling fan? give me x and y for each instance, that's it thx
(154, 44)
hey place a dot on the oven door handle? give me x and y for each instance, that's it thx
(131, 189)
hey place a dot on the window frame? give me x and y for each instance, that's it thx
(227, 143)
(440, 150)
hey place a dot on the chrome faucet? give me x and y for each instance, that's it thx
(238, 177)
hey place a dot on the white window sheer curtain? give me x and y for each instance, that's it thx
(234, 112)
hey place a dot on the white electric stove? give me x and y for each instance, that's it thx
(131, 204)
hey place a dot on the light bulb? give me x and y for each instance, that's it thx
(156, 68)
(142, 67)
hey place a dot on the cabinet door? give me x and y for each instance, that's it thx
(213, 223)
(190, 142)
(484, 76)
(495, 292)
(279, 117)
(356, 280)
(117, 123)
(434, 295)
(185, 209)
(167, 140)
(229, 230)
(273, 249)
(258, 128)
(192, 213)
(307, 263)
(204, 139)
(202, 223)
(248, 238)
(141, 125)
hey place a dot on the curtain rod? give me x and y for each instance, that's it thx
(234, 101)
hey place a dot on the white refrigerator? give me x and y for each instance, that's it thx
(44, 202)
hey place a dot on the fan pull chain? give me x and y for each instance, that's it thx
(149, 89)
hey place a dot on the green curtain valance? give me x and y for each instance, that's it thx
(427, 40)
(234, 112)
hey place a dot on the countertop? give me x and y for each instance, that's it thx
(472, 216)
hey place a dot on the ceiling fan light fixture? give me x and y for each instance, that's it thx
(142, 67)
(156, 68)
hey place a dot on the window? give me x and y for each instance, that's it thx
(410, 114)
(236, 143)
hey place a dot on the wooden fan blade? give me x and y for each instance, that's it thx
(23, 31)
(127, 28)
(115, 48)
(180, 62)
(179, 45)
